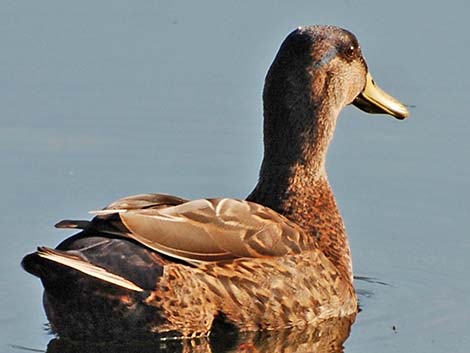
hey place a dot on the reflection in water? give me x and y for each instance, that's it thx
(367, 293)
(371, 280)
(325, 338)
(22, 348)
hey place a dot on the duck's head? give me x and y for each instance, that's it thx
(317, 71)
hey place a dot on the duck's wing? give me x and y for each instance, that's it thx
(213, 230)
(80, 264)
(145, 201)
(135, 202)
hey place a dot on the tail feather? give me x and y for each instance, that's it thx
(74, 224)
(79, 264)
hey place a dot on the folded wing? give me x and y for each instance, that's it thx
(214, 230)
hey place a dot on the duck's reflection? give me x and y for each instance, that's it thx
(325, 338)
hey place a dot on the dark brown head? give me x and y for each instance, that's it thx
(317, 71)
(325, 63)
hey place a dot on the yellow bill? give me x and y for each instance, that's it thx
(376, 101)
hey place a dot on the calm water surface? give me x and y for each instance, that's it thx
(102, 101)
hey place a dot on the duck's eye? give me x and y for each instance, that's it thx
(349, 52)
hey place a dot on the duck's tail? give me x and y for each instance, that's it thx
(44, 260)
(95, 288)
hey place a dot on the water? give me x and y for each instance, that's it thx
(102, 101)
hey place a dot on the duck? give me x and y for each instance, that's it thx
(158, 264)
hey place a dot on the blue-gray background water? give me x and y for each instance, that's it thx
(100, 100)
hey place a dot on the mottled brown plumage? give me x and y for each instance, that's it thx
(161, 264)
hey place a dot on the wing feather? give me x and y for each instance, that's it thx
(214, 230)
(75, 262)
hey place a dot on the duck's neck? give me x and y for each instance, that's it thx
(293, 178)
